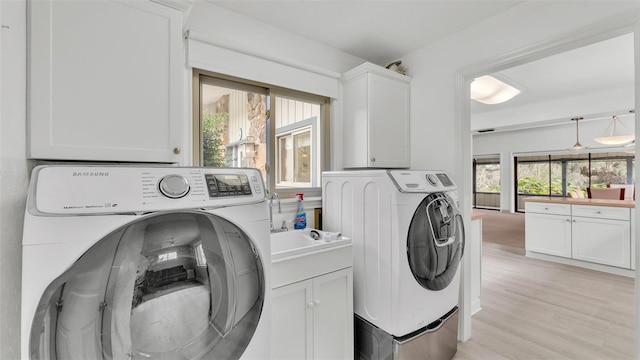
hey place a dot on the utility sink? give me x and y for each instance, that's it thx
(296, 255)
(290, 243)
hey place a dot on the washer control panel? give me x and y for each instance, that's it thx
(421, 181)
(69, 189)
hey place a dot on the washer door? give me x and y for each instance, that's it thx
(186, 285)
(435, 241)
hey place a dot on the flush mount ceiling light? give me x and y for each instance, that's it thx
(489, 90)
(614, 138)
(577, 145)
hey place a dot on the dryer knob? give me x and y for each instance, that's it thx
(432, 179)
(174, 186)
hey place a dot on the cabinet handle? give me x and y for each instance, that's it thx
(568, 220)
(373, 159)
(546, 208)
(310, 304)
(176, 150)
(573, 220)
(317, 302)
(598, 212)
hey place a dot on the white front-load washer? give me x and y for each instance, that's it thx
(123, 262)
(408, 240)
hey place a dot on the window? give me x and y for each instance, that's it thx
(488, 178)
(556, 175)
(486, 190)
(533, 177)
(167, 256)
(281, 132)
(201, 259)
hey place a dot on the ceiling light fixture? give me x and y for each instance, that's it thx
(489, 90)
(612, 138)
(577, 145)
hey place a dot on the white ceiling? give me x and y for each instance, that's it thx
(601, 66)
(377, 31)
(384, 31)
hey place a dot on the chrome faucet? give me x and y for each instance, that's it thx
(277, 197)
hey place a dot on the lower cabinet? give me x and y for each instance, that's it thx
(602, 241)
(548, 234)
(313, 319)
(592, 233)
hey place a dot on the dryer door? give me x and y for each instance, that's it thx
(435, 241)
(186, 285)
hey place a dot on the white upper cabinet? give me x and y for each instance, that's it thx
(105, 81)
(376, 118)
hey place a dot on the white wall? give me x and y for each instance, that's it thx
(13, 170)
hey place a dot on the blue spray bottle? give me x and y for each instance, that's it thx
(301, 215)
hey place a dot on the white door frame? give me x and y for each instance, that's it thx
(603, 30)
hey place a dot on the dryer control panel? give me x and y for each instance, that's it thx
(69, 189)
(421, 181)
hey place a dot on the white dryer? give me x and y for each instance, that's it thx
(408, 240)
(125, 262)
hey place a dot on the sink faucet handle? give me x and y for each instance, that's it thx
(284, 225)
(277, 197)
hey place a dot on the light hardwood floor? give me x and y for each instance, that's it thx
(535, 309)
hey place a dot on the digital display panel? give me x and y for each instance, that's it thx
(227, 185)
(444, 179)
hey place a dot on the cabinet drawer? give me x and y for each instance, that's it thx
(601, 212)
(547, 208)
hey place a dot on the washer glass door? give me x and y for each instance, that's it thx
(435, 241)
(185, 285)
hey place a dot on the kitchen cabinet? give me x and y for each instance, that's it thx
(313, 319)
(602, 241)
(376, 118)
(105, 81)
(548, 229)
(602, 235)
(587, 233)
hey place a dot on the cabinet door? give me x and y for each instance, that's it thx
(389, 137)
(602, 241)
(105, 81)
(291, 321)
(548, 234)
(333, 315)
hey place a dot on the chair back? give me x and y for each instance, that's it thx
(606, 193)
(629, 190)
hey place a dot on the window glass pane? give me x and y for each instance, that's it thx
(578, 176)
(488, 178)
(608, 171)
(234, 128)
(285, 159)
(556, 178)
(281, 132)
(533, 178)
(303, 157)
(298, 123)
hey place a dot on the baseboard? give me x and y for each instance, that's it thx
(583, 264)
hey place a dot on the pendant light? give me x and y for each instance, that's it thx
(577, 145)
(612, 138)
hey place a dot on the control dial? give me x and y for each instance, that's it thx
(174, 186)
(432, 179)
